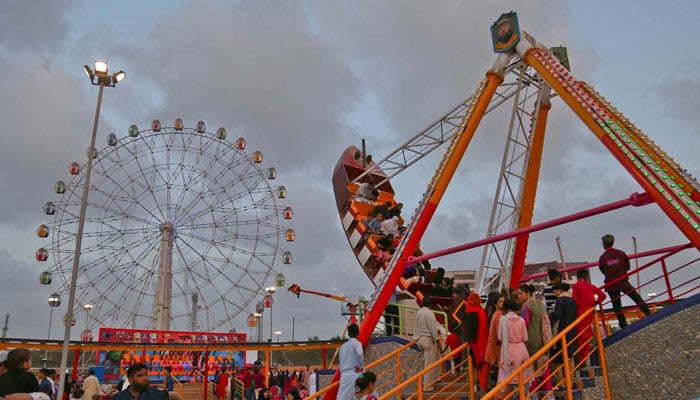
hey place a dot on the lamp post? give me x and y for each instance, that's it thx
(259, 308)
(86, 336)
(278, 333)
(268, 304)
(54, 301)
(86, 333)
(99, 77)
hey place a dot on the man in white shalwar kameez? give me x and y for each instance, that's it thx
(351, 360)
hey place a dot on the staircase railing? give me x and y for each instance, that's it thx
(378, 366)
(462, 379)
(524, 379)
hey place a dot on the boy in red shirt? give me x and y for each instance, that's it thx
(586, 295)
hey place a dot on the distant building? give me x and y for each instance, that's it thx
(463, 276)
(539, 268)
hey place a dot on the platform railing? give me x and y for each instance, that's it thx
(664, 285)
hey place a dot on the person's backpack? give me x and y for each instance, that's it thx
(471, 326)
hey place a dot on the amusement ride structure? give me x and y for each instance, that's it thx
(183, 230)
(525, 77)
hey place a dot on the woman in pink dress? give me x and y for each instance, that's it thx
(512, 334)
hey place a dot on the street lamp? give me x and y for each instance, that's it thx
(259, 309)
(99, 77)
(54, 301)
(278, 333)
(86, 336)
(86, 333)
(268, 303)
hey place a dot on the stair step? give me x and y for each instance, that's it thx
(446, 396)
(590, 372)
(582, 383)
(575, 395)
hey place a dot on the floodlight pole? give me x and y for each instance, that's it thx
(100, 79)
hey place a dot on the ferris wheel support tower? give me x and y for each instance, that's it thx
(163, 295)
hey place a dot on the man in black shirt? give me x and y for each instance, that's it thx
(615, 264)
(139, 387)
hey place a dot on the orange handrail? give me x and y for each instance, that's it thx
(395, 353)
(417, 378)
(560, 339)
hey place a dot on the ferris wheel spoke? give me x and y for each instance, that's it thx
(189, 194)
(147, 243)
(129, 188)
(148, 188)
(207, 261)
(206, 240)
(198, 196)
(194, 273)
(241, 178)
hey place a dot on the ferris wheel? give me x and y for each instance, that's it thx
(183, 230)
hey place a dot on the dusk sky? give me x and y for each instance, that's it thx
(301, 81)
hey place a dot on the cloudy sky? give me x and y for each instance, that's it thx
(303, 80)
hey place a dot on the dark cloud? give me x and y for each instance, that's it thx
(256, 70)
(31, 26)
(46, 126)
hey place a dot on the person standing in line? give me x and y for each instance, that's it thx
(249, 384)
(475, 331)
(258, 382)
(512, 333)
(364, 386)
(493, 346)
(564, 314)
(351, 360)
(169, 382)
(426, 335)
(91, 386)
(615, 264)
(53, 375)
(539, 332)
(312, 382)
(139, 387)
(106, 388)
(45, 384)
(221, 385)
(548, 293)
(586, 295)
(123, 383)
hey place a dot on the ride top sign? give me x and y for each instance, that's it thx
(120, 335)
(505, 32)
(183, 362)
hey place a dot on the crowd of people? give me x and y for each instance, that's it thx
(281, 383)
(18, 382)
(513, 326)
